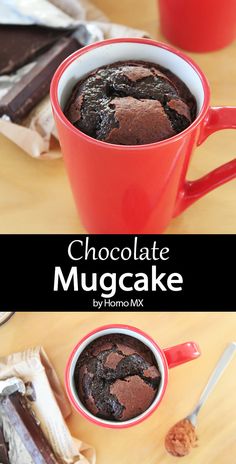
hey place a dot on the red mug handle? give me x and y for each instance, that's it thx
(217, 118)
(182, 353)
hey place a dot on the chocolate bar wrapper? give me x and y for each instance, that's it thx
(37, 133)
(50, 406)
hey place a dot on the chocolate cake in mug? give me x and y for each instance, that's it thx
(117, 377)
(131, 103)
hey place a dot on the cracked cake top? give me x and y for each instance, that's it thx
(117, 377)
(131, 103)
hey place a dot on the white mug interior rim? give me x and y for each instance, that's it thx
(99, 334)
(110, 53)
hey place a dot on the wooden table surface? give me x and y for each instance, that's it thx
(59, 332)
(35, 196)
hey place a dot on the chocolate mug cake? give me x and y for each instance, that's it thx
(131, 103)
(117, 377)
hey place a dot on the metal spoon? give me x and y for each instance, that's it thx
(215, 376)
(182, 437)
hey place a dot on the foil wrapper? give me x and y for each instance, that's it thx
(30, 372)
(12, 385)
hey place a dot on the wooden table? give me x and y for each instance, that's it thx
(35, 196)
(59, 332)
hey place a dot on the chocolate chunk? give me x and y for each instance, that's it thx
(3, 449)
(125, 349)
(20, 100)
(113, 359)
(21, 44)
(131, 103)
(134, 394)
(151, 372)
(117, 377)
(15, 408)
(130, 114)
(105, 346)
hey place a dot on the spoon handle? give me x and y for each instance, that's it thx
(215, 376)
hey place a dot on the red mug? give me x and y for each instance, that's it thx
(166, 359)
(136, 189)
(198, 25)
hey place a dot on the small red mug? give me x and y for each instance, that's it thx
(136, 189)
(198, 25)
(165, 358)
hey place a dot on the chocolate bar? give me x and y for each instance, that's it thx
(31, 89)
(3, 449)
(16, 410)
(21, 44)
